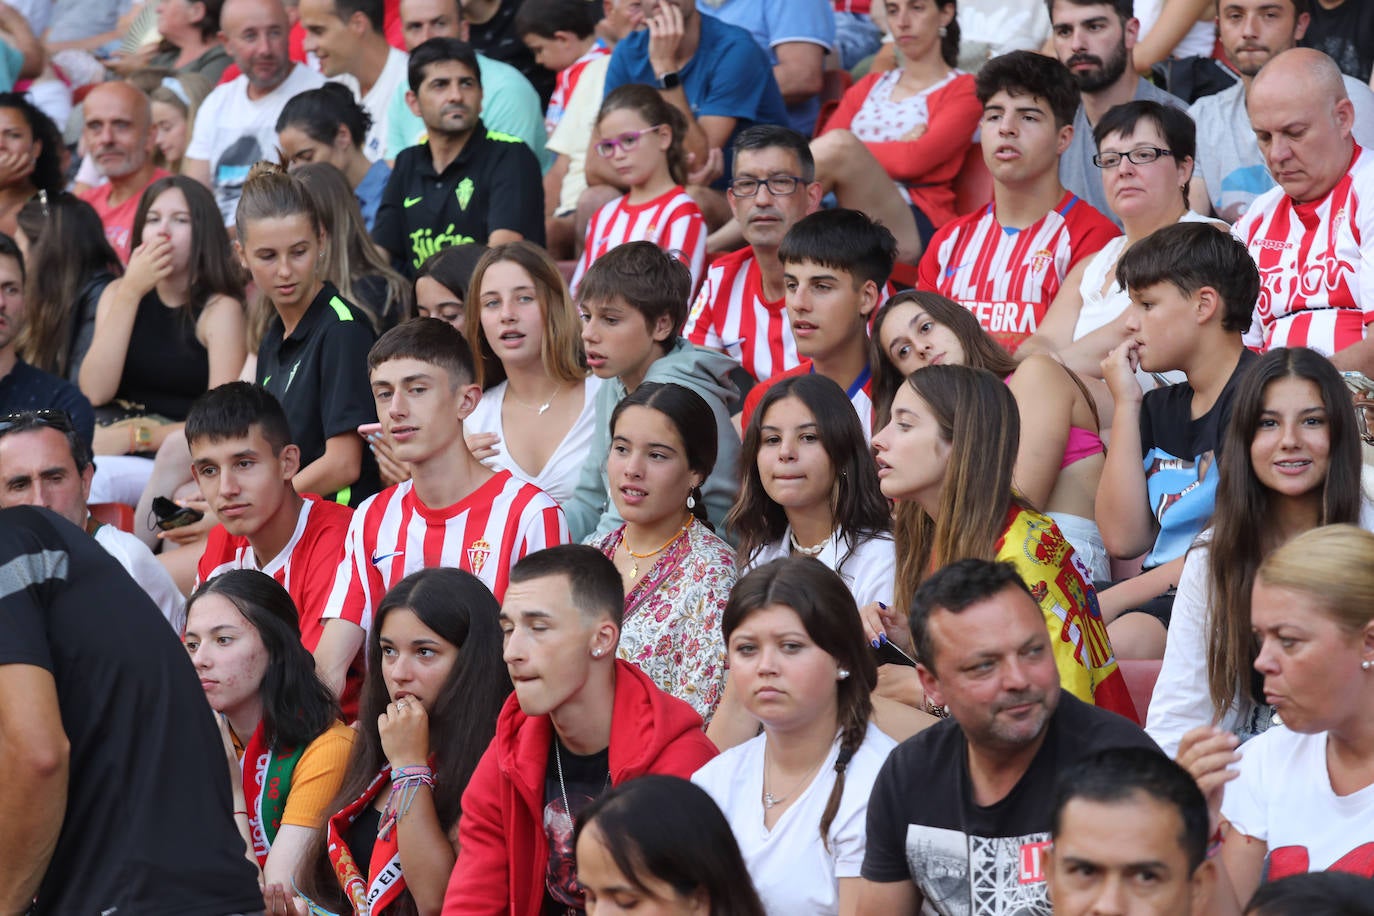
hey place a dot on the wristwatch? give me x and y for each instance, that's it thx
(142, 436)
(669, 80)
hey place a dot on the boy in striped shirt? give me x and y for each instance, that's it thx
(452, 512)
(1005, 262)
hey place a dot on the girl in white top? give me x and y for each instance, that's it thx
(796, 796)
(538, 422)
(1145, 152)
(810, 488)
(1173, 28)
(1302, 798)
(1290, 462)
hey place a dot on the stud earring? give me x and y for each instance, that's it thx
(596, 653)
(1367, 664)
(843, 674)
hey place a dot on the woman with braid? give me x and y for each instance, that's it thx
(802, 667)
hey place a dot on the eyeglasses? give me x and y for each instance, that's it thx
(30, 419)
(626, 141)
(1142, 156)
(778, 185)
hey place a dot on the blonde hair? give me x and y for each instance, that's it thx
(1335, 565)
(561, 348)
(193, 90)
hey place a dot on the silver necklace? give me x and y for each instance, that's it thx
(770, 800)
(562, 787)
(539, 411)
(806, 551)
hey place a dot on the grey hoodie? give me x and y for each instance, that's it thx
(591, 512)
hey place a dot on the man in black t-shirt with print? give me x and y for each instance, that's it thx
(465, 183)
(114, 788)
(959, 819)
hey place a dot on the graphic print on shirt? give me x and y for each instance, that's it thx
(1294, 860)
(960, 874)
(1186, 485)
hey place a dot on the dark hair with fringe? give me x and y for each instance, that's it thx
(691, 416)
(437, 51)
(644, 277)
(296, 706)
(546, 18)
(67, 249)
(857, 506)
(47, 165)
(1242, 516)
(981, 350)
(842, 240)
(428, 340)
(646, 102)
(1193, 255)
(1121, 774)
(823, 603)
(1030, 73)
(669, 829)
(593, 581)
(1175, 125)
(953, 588)
(978, 417)
(231, 410)
(774, 136)
(460, 610)
(319, 113)
(211, 268)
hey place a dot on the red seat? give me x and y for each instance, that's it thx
(1140, 675)
(120, 515)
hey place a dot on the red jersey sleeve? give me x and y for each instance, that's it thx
(700, 328)
(928, 270)
(357, 585)
(1089, 233)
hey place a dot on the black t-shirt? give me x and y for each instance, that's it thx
(924, 827)
(165, 367)
(319, 374)
(583, 779)
(494, 183)
(1346, 33)
(497, 39)
(1180, 455)
(149, 825)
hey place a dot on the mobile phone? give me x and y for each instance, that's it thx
(369, 429)
(170, 515)
(889, 654)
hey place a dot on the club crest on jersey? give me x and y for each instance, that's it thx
(1040, 261)
(477, 555)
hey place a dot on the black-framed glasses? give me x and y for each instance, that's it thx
(626, 141)
(1143, 155)
(778, 185)
(33, 419)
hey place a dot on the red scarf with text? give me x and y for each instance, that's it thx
(383, 882)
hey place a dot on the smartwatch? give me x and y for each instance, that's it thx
(669, 80)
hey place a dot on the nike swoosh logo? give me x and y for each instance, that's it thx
(411, 201)
(949, 271)
(377, 560)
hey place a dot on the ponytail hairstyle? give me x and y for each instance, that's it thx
(1240, 520)
(646, 102)
(272, 193)
(691, 416)
(319, 113)
(981, 351)
(819, 597)
(296, 706)
(857, 505)
(977, 416)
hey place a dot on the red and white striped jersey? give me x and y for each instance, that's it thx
(394, 534)
(860, 392)
(672, 221)
(1316, 289)
(732, 314)
(566, 83)
(305, 567)
(1008, 277)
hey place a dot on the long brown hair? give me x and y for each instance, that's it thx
(977, 416)
(1241, 520)
(819, 597)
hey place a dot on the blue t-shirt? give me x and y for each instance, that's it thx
(728, 76)
(1182, 461)
(369, 191)
(775, 22)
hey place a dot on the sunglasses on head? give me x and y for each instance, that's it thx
(29, 419)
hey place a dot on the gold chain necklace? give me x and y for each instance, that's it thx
(634, 567)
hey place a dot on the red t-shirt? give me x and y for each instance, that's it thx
(119, 221)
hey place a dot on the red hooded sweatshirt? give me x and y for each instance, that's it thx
(503, 851)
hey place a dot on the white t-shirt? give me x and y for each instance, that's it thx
(1284, 797)
(1181, 700)
(378, 100)
(870, 569)
(233, 131)
(559, 475)
(1196, 42)
(145, 569)
(573, 135)
(790, 867)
